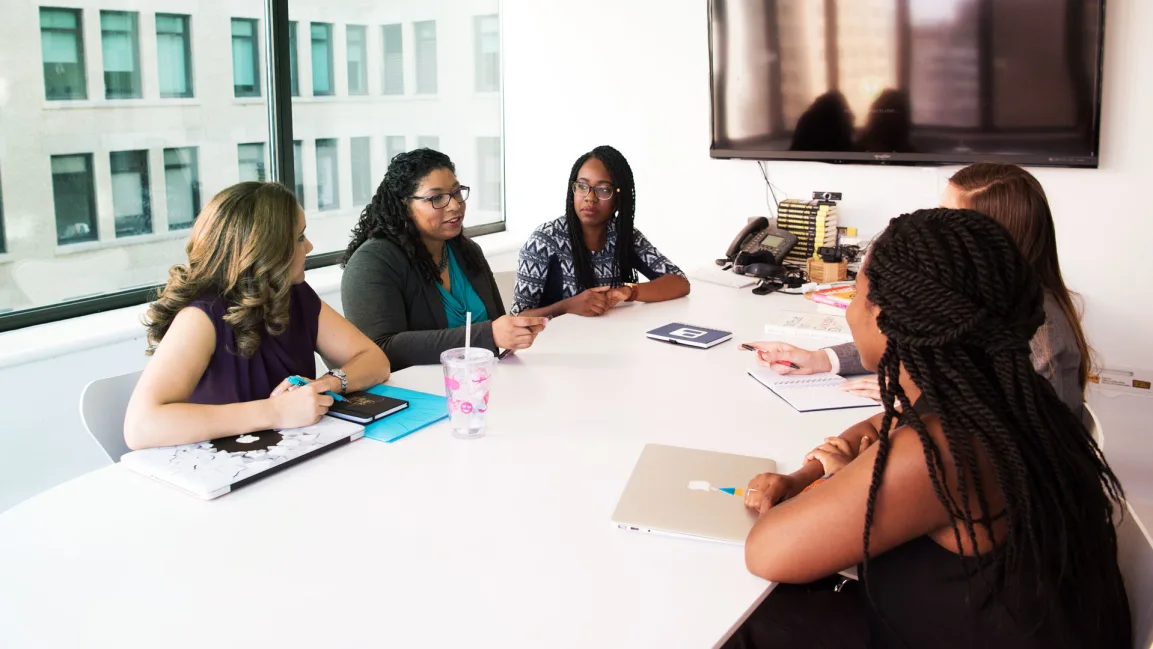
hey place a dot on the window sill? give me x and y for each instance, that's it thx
(113, 104)
(32, 344)
(89, 246)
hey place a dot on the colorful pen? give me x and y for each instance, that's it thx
(299, 382)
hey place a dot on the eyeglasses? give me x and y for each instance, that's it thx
(603, 192)
(440, 201)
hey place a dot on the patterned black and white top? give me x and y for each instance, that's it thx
(546, 275)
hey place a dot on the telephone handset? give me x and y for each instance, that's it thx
(760, 243)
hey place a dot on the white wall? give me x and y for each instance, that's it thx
(634, 75)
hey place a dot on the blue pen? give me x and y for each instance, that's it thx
(299, 382)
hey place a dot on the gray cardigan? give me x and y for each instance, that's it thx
(1054, 351)
(384, 296)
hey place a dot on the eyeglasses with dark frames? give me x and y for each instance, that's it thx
(441, 201)
(603, 192)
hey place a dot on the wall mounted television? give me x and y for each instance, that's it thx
(907, 81)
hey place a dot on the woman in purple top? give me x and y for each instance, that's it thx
(237, 320)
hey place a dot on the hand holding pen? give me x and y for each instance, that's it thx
(784, 358)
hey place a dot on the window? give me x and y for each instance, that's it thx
(298, 170)
(393, 60)
(121, 47)
(393, 146)
(488, 173)
(3, 240)
(327, 178)
(487, 30)
(322, 59)
(182, 186)
(74, 195)
(357, 60)
(174, 55)
(428, 141)
(245, 58)
(62, 46)
(294, 75)
(131, 196)
(362, 188)
(426, 57)
(251, 157)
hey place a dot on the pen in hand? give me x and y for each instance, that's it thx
(299, 382)
(787, 364)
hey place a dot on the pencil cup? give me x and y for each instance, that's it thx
(467, 376)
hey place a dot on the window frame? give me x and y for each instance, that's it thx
(335, 157)
(134, 36)
(478, 54)
(135, 160)
(385, 89)
(271, 38)
(330, 59)
(81, 57)
(193, 163)
(362, 78)
(425, 85)
(255, 43)
(90, 182)
(186, 37)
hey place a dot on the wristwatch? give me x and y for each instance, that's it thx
(339, 373)
(633, 290)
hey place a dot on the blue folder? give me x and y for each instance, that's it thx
(423, 409)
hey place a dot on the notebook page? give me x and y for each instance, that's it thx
(808, 393)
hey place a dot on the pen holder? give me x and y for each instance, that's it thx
(821, 272)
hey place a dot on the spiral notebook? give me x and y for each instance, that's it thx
(810, 392)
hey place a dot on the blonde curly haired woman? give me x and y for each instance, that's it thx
(235, 322)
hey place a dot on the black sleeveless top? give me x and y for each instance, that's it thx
(927, 596)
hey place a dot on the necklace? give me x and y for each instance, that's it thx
(444, 258)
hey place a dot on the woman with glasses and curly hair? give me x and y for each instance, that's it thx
(587, 261)
(411, 276)
(235, 322)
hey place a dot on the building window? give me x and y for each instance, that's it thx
(62, 46)
(251, 157)
(121, 48)
(174, 55)
(327, 176)
(298, 170)
(74, 195)
(393, 146)
(489, 166)
(182, 186)
(361, 148)
(131, 193)
(357, 60)
(294, 75)
(487, 29)
(393, 60)
(428, 142)
(322, 59)
(426, 57)
(245, 58)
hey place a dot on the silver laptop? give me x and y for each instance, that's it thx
(211, 469)
(682, 491)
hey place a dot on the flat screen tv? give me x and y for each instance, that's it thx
(907, 81)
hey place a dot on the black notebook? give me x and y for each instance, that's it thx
(365, 407)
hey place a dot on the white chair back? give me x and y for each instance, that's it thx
(102, 406)
(1089, 418)
(1135, 558)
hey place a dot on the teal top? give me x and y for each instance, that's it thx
(461, 298)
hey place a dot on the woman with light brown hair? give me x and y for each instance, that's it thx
(236, 322)
(1014, 198)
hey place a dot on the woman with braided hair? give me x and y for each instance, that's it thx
(411, 276)
(587, 261)
(983, 514)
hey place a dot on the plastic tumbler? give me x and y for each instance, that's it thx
(467, 376)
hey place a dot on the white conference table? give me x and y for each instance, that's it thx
(504, 541)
